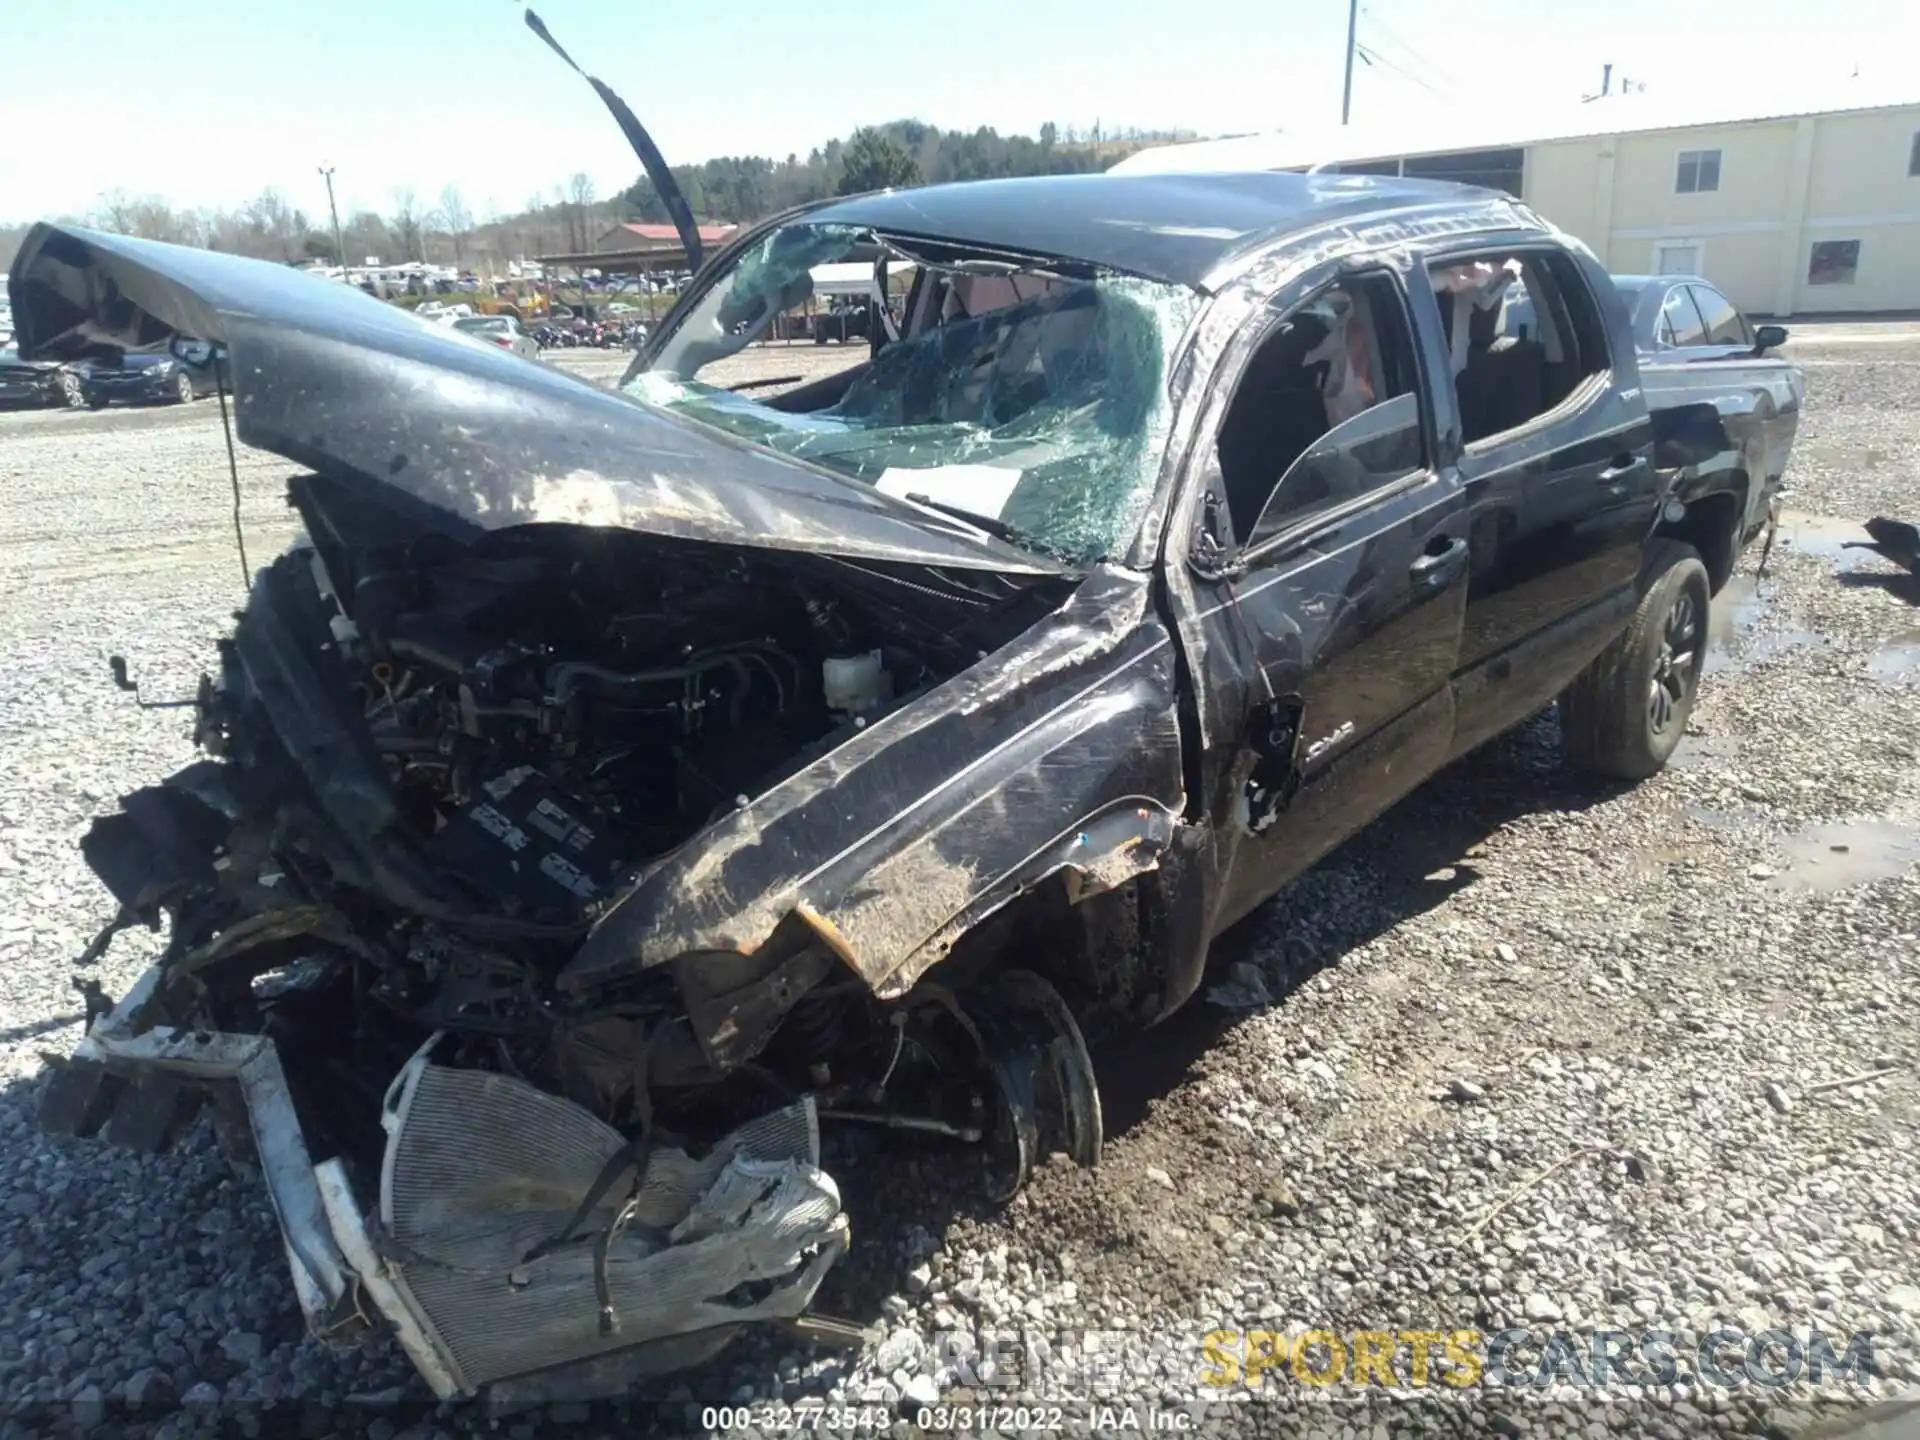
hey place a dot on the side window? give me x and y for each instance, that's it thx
(1680, 322)
(1326, 409)
(1724, 325)
(1506, 375)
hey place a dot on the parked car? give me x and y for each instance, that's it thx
(501, 330)
(26, 382)
(1683, 318)
(843, 321)
(169, 378)
(626, 786)
(1694, 344)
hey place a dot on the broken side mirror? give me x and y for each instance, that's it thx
(1768, 337)
(1208, 555)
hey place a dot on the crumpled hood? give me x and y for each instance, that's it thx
(342, 383)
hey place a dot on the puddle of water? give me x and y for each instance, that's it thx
(1824, 536)
(1831, 857)
(1735, 612)
(1898, 661)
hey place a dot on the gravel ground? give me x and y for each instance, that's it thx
(1529, 1051)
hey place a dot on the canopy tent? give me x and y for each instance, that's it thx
(850, 277)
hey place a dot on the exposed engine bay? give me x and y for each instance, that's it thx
(436, 760)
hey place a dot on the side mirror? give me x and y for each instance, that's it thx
(1768, 337)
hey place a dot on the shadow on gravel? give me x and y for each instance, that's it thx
(38, 1027)
(1407, 862)
(1901, 587)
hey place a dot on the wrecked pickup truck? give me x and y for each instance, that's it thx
(613, 791)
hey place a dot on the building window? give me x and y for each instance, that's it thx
(1493, 169)
(1367, 167)
(1834, 262)
(1698, 172)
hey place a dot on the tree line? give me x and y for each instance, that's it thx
(897, 154)
(571, 218)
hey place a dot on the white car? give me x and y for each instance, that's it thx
(501, 330)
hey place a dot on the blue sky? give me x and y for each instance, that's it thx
(208, 101)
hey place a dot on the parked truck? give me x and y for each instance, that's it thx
(613, 791)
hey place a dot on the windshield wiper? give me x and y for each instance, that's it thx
(992, 524)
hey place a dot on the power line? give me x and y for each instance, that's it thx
(1374, 57)
(1412, 53)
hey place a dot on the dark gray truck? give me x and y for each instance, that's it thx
(615, 793)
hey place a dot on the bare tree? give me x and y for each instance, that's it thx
(367, 234)
(146, 216)
(275, 225)
(458, 219)
(580, 194)
(407, 221)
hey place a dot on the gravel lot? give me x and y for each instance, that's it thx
(1653, 990)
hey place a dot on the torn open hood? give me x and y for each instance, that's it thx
(345, 384)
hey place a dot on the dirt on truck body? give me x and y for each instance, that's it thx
(613, 789)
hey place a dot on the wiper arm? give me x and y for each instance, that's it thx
(992, 524)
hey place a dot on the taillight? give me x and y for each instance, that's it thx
(503, 342)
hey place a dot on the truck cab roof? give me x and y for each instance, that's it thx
(1179, 229)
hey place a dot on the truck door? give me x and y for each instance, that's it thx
(1324, 621)
(1549, 440)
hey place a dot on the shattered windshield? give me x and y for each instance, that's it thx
(1006, 391)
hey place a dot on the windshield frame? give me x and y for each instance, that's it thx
(1137, 549)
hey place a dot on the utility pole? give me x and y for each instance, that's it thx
(1353, 27)
(339, 250)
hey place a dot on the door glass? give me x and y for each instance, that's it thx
(1680, 321)
(1723, 322)
(1368, 452)
(1331, 361)
(1523, 333)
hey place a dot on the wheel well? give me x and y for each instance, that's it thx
(1101, 953)
(1709, 526)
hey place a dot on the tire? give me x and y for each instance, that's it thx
(1624, 714)
(73, 392)
(183, 388)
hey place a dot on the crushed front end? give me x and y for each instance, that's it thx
(433, 766)
(599, 804)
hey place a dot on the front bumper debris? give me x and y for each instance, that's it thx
(482, 1175)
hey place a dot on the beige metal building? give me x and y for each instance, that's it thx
(1810, 211)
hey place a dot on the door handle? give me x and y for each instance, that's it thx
(1438, 566)
(1621, 468)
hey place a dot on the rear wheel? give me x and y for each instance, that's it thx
(1624, 714)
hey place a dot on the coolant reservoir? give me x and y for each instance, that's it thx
(855, 683)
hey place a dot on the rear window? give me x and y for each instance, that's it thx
(1723, 322)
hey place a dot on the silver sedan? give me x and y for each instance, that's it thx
(501, 330)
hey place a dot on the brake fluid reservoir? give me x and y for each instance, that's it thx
(854, 684)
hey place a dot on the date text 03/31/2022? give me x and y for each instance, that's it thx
(1104, 1419)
